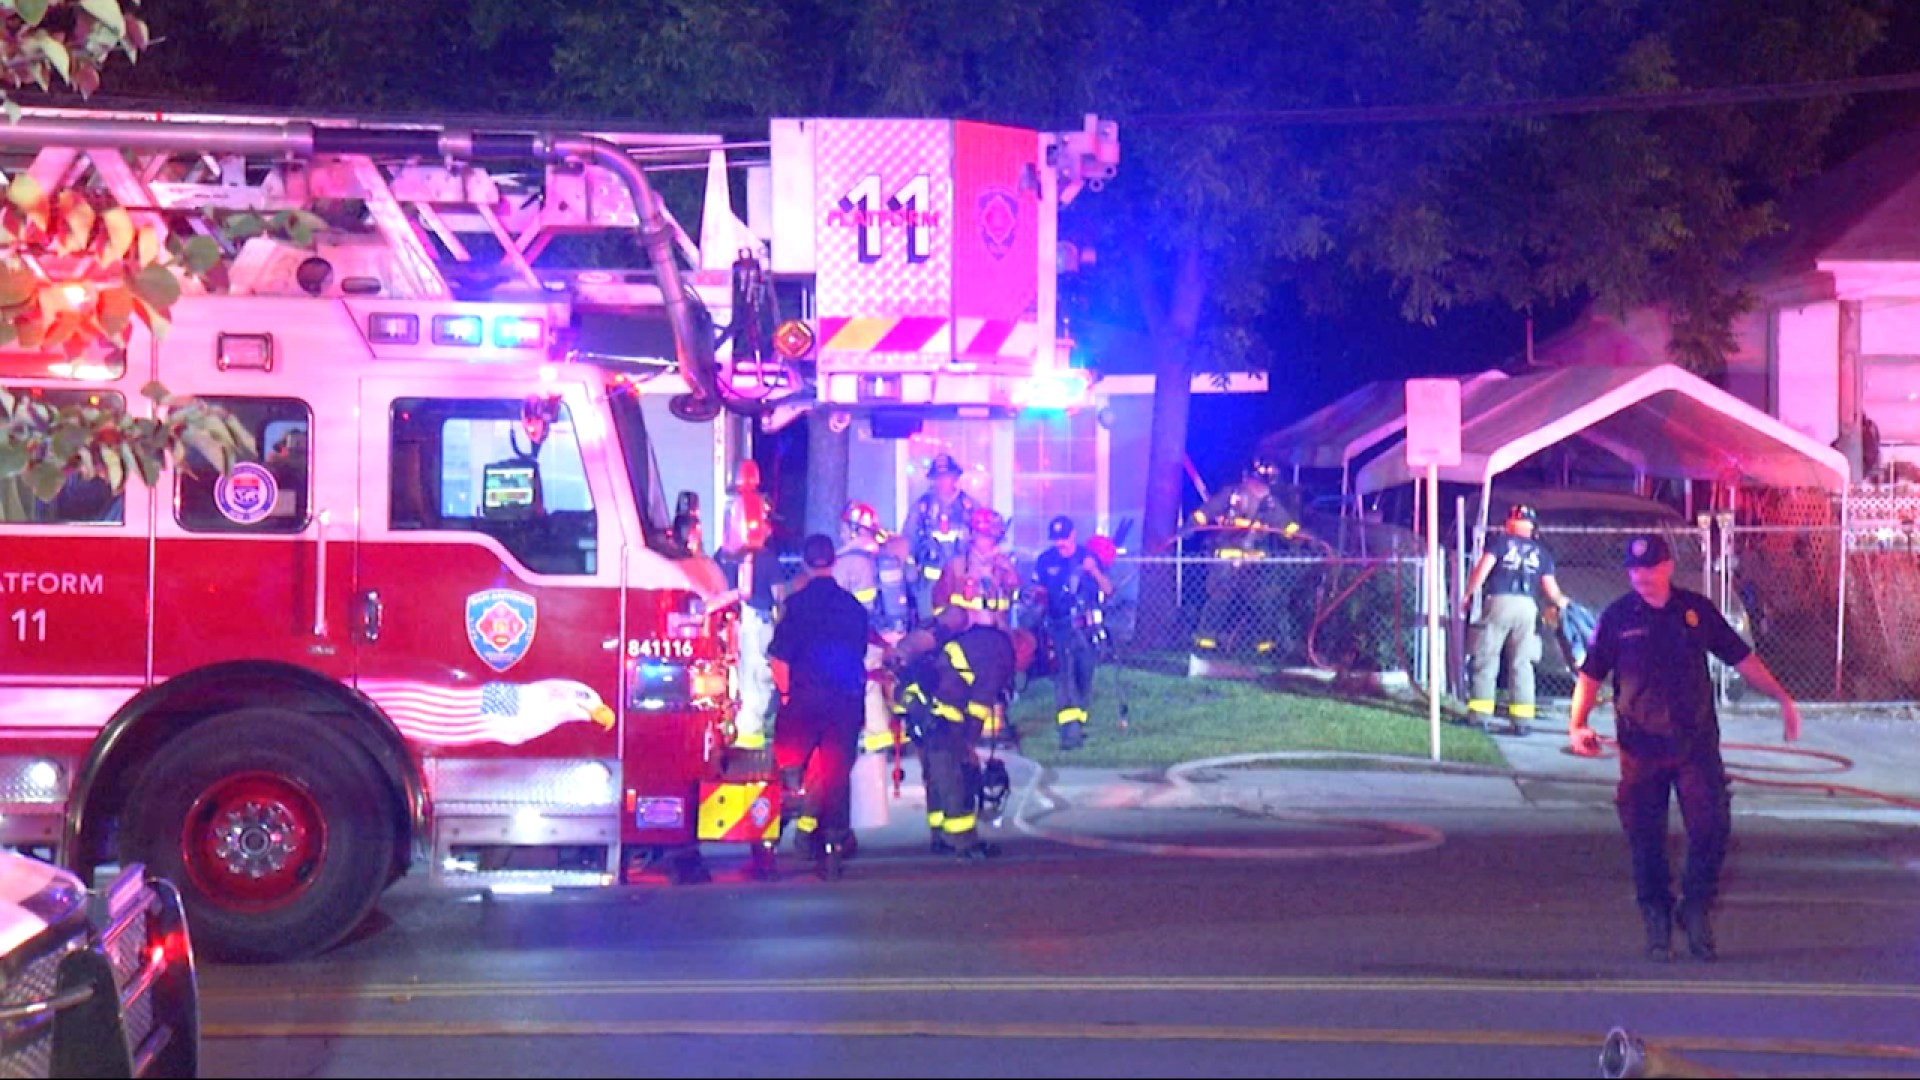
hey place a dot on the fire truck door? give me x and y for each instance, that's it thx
(257, 564)
(487, 603)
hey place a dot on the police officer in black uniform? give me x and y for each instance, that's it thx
(819, 665)
(1654, 642)
(1514, 568)
(1071, 584)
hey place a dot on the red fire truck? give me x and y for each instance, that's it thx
(442, 614)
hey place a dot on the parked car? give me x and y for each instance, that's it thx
(94, 984)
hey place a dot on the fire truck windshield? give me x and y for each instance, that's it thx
(643, 472)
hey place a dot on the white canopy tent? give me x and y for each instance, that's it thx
(1337, 434)
(1660, 419)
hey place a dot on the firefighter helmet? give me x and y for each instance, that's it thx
(986, 521)
(860, 517)
(1523, 512)
(746, 474)
(944, 465)
(1103, 549)
(1265, 468)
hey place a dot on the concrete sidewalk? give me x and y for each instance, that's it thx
(1843, 759)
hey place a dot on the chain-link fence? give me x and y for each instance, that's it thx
(1285, 609)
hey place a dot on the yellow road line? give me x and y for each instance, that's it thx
(466, 1029)
(691, 987)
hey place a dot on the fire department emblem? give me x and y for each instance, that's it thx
(500, 625)
(998, 214)
(1693, 619)
(246, 493)
(761, 812)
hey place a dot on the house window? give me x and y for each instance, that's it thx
(1054, 472)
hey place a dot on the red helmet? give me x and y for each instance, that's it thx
(858, 515)
(1103, 548)
(986, 521)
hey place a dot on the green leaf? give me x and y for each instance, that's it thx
(301, 226)
(46, 479)
(129, 460)
(202, 254)
(108, 13)
(156, 392)
(18, 285)
(25, 192)
(243, 227)
(158, 286)
(54, 50)
(13, 458)
(115, 469)
(149, 469)
(12, 108)
(68, 440)
(13, 499)
(31, 11)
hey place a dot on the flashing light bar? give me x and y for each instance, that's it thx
(393, 328)
(467, 330)
(513, 332)
(1055, 391)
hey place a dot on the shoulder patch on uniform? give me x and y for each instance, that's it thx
(1693, 617)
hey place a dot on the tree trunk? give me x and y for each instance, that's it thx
(1171, 326)
(827, 458)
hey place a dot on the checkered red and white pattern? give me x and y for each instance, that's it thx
(890, 288)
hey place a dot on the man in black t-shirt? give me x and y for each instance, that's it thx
(1654, 642)
(1513, 568)
(819, 665)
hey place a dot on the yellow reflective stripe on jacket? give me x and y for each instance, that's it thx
(865, 596)
(947, 712)
(957, 657)
(876, 741)
(979, 710)
(959, 823)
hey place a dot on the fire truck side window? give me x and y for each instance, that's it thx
(81, 500)
(480, 465)
(267, 492)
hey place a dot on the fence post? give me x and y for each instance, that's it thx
(1840, 632)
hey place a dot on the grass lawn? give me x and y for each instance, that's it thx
(1172, 719)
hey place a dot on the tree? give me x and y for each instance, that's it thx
(1622, 207)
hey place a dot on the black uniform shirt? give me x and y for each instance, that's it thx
(1663, 697)
(1068, 584)
(823, 639)
(1519, 562)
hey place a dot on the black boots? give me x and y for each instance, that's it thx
(1659, 922)
(1659, 919)
(1693, 919)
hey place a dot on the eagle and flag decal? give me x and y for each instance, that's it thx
(500, 626)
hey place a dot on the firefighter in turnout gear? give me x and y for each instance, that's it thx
(948, 695)
(755, 576)
(1069, 584)
(1513, 568)
(977, 588)
(1246, 525)
(876, 577)
(937, 526)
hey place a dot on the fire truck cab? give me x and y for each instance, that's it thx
(442, 612)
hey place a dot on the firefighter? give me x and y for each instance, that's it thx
(1514, 567)
(818, 653)
(937, 526)
(749, 561)
(1246, 606)
(949, 694)
(876, 577)
(977, 587)
(1069, 584)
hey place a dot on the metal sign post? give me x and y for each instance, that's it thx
(1433, 441)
